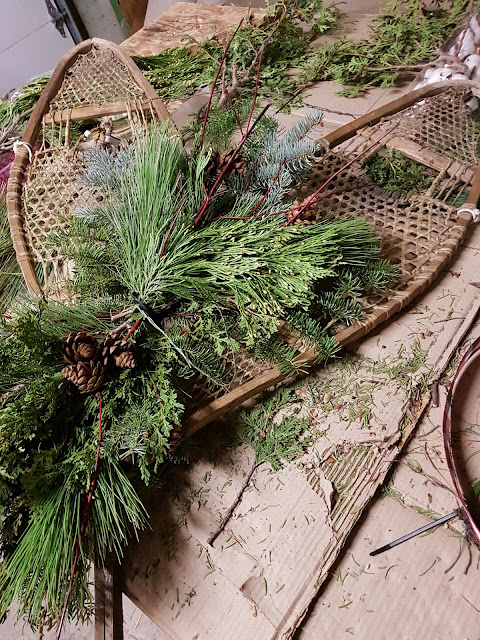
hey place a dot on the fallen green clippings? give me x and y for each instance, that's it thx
(274, 441)
(397, 173)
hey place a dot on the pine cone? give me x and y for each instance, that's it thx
(87, 376)
(309, 216)
(79, 346)
(124, 360)
(109, 348)
(218, 161)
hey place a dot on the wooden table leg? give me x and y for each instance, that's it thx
(108, 601)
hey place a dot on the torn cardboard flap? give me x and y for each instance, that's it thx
(428, 587)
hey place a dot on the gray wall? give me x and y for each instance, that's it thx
(29, 43)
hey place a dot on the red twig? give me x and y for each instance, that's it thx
(209, 104)
(226, 168)
(112, 315)
(171, 227)
(234, 155)
(279, 213)
(309, 201)
(269, 188)
(83, 525)
(257, 205)
(132, 330)
(328, 195)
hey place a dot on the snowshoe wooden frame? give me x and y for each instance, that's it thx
(94, 80)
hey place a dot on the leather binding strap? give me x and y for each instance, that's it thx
(447, 436)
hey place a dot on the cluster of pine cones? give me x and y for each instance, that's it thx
(90, 359)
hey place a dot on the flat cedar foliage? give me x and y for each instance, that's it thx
(397, 173)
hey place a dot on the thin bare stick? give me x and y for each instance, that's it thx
(234, 505)
(460, 551)
(472, 605)
(469, 558)
(122, 314)
(227, 97)
(292, 97)
(257, 82)
(399, 67)
(280, 19)
(224, 94)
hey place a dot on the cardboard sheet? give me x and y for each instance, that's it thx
(183, 19)
(263, 572)
(428, 587)
(403, 594)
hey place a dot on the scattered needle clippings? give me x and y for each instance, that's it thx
(430, 567)
(414, 465)
(388, 570)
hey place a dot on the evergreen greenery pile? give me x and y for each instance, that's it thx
(11, 281)
(402, 37)
(190, 258)
(16, 110)
(286, 35)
